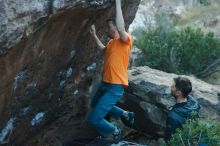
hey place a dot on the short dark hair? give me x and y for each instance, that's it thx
(111, 20)
(183, 84)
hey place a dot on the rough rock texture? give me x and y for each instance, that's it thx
(21, 18)
(148, 95)
(49, 66)
(111, 143)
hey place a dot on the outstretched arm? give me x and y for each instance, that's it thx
(98, 42)
(120, 22)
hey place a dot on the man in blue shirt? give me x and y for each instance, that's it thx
(184, 107)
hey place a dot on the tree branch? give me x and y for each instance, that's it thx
(209, 69)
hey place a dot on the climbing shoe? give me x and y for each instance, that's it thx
(128, 120)
(117, 136)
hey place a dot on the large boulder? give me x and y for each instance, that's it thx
(20, 19)
(148, 95)
(49, 66)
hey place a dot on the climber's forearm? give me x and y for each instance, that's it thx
(120, 21)
(98, 42)
(119, 17)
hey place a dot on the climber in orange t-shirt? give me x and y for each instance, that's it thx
(115, 77)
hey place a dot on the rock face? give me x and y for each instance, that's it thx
(148, 95)
(49, 66)
(21, 18)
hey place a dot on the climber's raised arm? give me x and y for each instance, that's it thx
(120, 22)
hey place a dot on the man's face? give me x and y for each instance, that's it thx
(111, 30)
(174, 90)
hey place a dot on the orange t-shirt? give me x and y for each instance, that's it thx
(116, 59)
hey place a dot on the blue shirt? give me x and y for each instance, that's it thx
(179, 113)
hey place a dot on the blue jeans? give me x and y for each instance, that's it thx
(103, 103)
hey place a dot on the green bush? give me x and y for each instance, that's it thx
(205, 2)
(187, 51)
(194, 132)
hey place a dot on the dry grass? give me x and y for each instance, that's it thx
(198, 15)
(199, 12)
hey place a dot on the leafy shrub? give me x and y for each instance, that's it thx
(205, 2)
(194, 133)
(187, 51)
